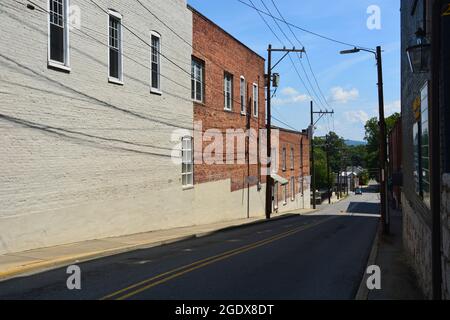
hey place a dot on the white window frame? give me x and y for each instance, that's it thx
(292, 189)
(52, 63)
(283, 159)
(225, 91)
(285, 191)
(275, 195)
(243, 95)
(198, 64)
(255, 106)
(119, 80)
(189, 181)
(154, 89)
(292, 157)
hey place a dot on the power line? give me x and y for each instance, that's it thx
(298, 55)
(306, 53)
(306, 30)
(292, 62)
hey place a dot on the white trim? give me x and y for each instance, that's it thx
(201, 64)
(156, 90)
(244, 103)
(115, 14)
(187, 175)
(292, 188)
(56, 65)
(112, 79)
(115, 81)
(225, 75)
(52, 63)
(255, 85)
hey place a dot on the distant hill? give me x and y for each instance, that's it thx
(355, 143)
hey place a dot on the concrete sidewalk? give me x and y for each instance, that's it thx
(39, 260)
(398, 281)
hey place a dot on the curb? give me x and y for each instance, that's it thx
(38, 267)
(363, 291)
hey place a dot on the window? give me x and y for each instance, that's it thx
(156, 62)
(292, 158)
(187, 170)
(255, 100)
(243, 95)
(197, 77)
(285, 194)
(301, 157)
(421, 143)
(115, 47)
(228, 91)
(425, 147)
(283, 159)
(275, 195)
(58, 33)
(292, 188)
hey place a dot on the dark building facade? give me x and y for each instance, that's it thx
(425, 136)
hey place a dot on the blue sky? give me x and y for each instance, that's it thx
(347, 81)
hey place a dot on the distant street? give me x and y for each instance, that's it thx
(319, 256)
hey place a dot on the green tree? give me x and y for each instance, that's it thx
(373, 143)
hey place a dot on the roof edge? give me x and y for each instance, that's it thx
(223, 30)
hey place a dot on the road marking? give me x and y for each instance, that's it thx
(169, 275)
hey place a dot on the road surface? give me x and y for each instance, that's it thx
(319, 256)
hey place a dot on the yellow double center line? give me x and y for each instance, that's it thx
(175, 273)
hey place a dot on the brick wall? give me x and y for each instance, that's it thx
(220, 53)
(297, 169)
(83, 158)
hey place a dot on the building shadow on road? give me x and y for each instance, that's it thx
(363, 207)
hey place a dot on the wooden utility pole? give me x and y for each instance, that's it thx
(269, 180)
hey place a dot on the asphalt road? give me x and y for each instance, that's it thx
(320, 256)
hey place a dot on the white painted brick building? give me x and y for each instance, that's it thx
(82, 157)
(85, 156)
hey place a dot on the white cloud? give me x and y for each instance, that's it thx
(340, 95)
(392, 107)
(289, 96)
(358, 116)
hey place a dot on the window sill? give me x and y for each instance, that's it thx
(156, 91)
(115, 81)
(58, 66)
(200, 103)
(185, 188)
(228, 110)
(243, 114)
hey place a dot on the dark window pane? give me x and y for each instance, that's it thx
(56, 43)
(155, 76)
(113, 63)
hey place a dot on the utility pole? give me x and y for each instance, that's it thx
(383, 141)
(269, 182)
(249, 104)
(313, 171)
(383, 146)
(328, 168)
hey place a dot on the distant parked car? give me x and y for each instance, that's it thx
(358, 191)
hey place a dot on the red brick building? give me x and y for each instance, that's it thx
(292, 190)
(228, 91)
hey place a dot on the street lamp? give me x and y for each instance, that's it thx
(419, 55)
(383, 141)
